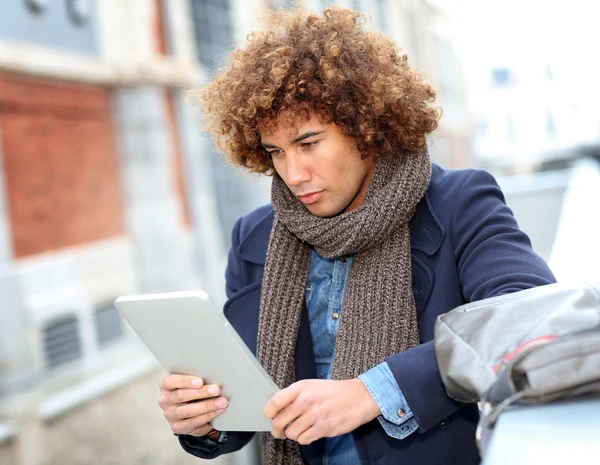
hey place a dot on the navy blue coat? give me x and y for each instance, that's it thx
(466, 246)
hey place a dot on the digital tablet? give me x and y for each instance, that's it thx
(189, 335)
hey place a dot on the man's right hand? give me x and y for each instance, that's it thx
(188, 405)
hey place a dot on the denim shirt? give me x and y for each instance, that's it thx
(324, 296)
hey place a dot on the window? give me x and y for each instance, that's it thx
(108, 324)
(213, 30)
(501, 77)
(37, 6)
(511, 129)
(483, 129)
(380, 16)
(61, 342)
(78, 11)
(550, 125)
(214, 37)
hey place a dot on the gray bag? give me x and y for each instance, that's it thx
(532, 346)
(473, 339)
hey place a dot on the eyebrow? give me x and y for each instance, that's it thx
(300, 138)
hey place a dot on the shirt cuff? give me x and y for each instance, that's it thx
(397, 418)
(204, 443)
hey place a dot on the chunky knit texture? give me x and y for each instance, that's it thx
(378, 313)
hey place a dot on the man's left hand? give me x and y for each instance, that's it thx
(312, 409)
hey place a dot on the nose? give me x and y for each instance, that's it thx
(297, 171)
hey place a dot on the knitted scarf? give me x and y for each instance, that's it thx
(378, 316)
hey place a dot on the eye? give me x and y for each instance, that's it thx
(275, 153)
(309, 145)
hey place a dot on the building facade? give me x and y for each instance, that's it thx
(532, 83)
(103, 193)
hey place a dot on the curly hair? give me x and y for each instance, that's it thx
(324, 65)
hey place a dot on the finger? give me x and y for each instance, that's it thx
(202, 431)
(194, 409)
(190, 425)
(285, 418)
(172, 382)
(309, 436)
(282, 399)
(182, 396)
(301, 424)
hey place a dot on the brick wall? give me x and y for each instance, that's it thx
(60, 164)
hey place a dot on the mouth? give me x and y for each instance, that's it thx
(309, 198)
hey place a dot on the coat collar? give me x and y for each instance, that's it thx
(253, 247)
(426, 234)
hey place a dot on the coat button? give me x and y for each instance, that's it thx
(335, 315)
(443, 424)
(401, 413)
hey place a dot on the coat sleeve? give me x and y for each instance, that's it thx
(200, 446)
(493, 257)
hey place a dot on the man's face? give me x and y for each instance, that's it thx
(320, 165)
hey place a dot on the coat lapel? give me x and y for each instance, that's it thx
(243, 308)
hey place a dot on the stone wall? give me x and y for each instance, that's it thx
(124, 427)
(7, 454)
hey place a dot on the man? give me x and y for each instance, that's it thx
(337, 284)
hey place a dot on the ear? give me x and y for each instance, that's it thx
(372, 152)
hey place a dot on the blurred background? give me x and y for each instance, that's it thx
(108, 185)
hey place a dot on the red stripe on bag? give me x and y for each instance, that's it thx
(533, 342)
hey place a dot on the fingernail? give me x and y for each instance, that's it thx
(221, 403)
(213, 390)
(197, 383)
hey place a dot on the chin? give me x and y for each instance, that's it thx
(322, 211)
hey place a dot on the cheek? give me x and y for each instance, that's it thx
(347, 175)
(277, 165)
(333, 171)
(280, 169)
